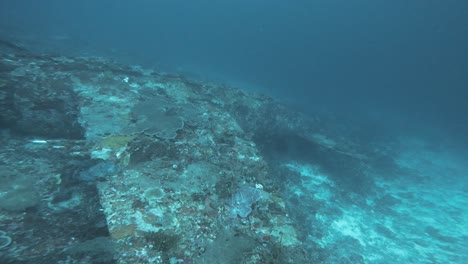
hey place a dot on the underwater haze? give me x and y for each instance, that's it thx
(233, 131)
(392, 57)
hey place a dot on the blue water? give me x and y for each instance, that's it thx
(401, 63)
(396, 56)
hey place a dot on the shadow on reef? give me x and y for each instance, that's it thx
(344, 170)
(66, 222)
(50, 211)
(32, 104)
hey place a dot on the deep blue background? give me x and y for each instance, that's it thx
(402, 57)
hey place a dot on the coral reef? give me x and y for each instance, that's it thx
(106, 163)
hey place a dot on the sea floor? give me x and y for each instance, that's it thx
(418, 215)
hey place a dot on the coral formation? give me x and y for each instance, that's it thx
(243, 200)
